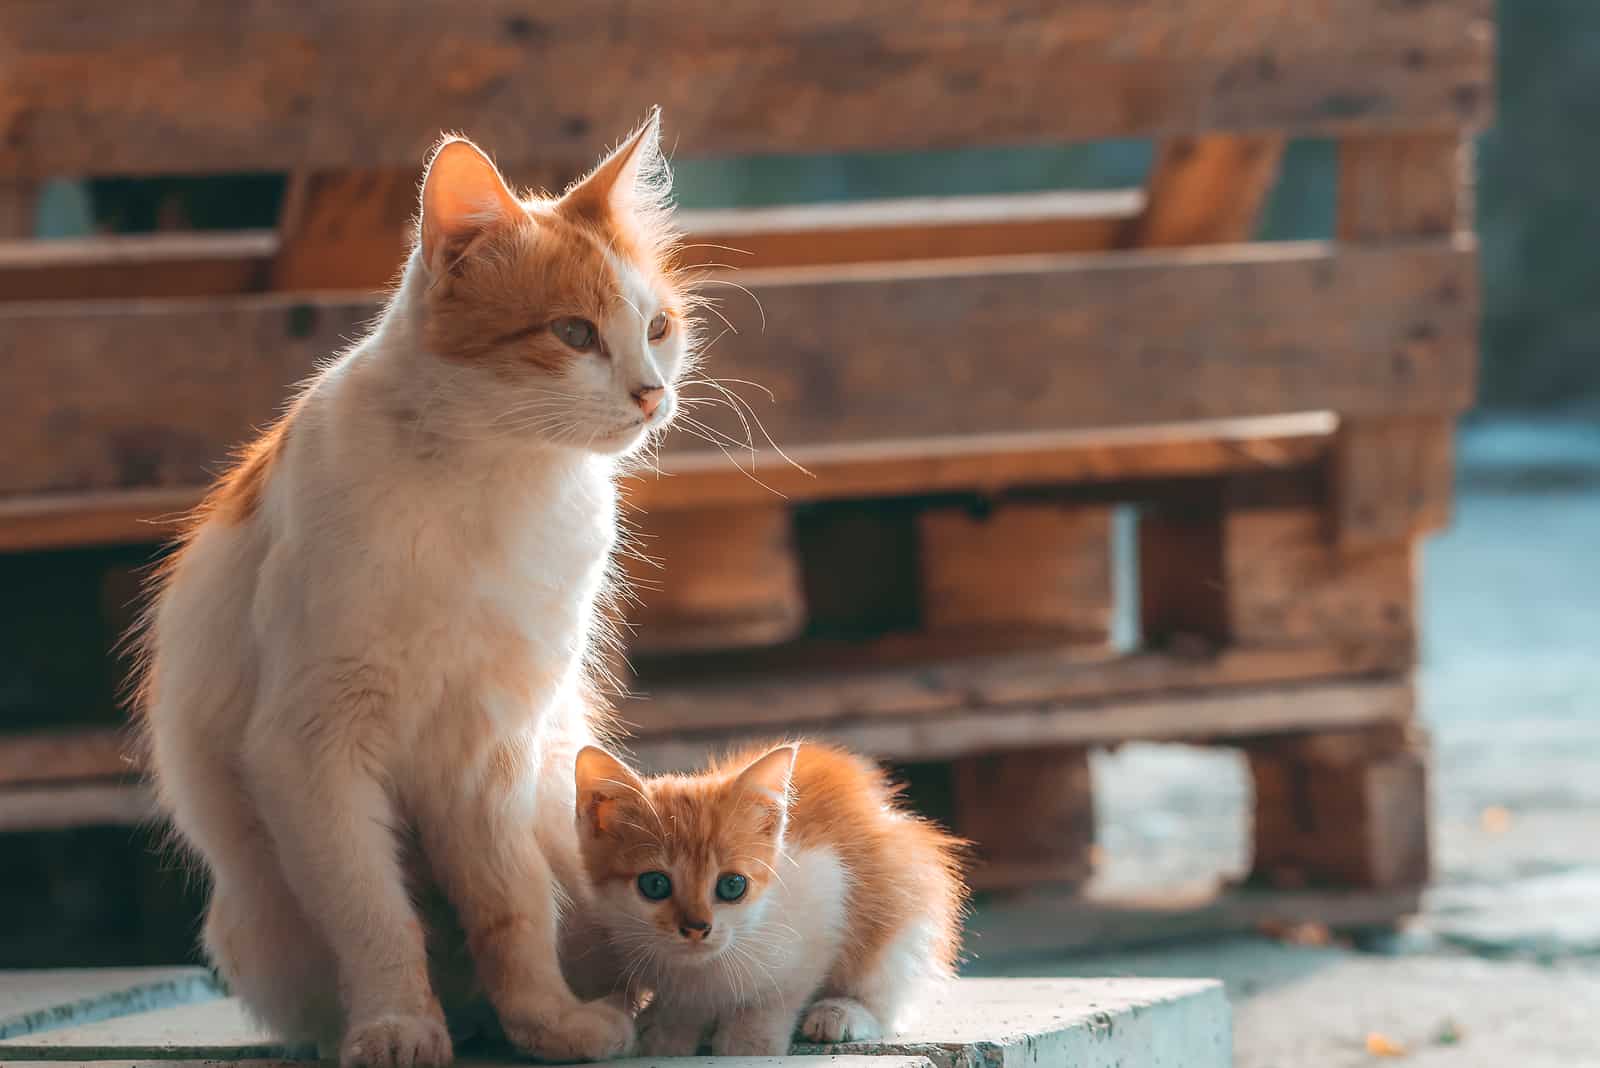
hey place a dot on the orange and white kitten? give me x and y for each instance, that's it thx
(377, 631)
(765, 892)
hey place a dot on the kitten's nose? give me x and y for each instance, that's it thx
(648, 398)
(694, 930)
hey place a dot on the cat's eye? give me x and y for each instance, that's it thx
(655, 885)
(659, 326)
(575, 332)
(732, 887)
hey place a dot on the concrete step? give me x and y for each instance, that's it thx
(974, 1023)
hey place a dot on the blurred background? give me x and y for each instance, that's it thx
(1329, 929)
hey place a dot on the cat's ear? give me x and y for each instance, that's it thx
(604, 784)
(633, 180)
(463, 197)
(766, 782)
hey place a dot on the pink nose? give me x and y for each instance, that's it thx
(648, 398)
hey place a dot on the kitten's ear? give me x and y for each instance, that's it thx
(767, 782)
(633, 180)
(603, 783)
(463, 196)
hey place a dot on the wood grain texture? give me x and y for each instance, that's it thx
(1206, 190)
(1029, 815)
(1392, 478)
(1200, 716)
(351, 231)
(146, 394)
(1040, 567)
(773, 696)
(197, 86)
(718, 578)
(19, 208)
(1358, 820)
(64, 755)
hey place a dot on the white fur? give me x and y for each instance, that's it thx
(333, 669)
(759, 967)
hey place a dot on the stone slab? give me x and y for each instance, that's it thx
(974, 1023)
(35, 1001)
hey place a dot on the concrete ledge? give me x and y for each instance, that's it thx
(974, 1023)
(36, 1001)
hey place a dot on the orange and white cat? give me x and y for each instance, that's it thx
(376, 633)
(768, 891)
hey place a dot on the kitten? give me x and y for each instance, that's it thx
(765, 888)
(377, 629)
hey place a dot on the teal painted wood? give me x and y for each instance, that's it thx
(32, 1002)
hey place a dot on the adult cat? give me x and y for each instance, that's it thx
(375, 632)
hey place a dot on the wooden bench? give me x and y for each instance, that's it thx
(974, 385)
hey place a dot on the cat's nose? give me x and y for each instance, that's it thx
(648, 398)
(694, 930)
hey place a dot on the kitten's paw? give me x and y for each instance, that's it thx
(396, 1042)
(583, 1031)
(840, 1020)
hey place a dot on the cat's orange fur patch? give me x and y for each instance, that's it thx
(237, 494)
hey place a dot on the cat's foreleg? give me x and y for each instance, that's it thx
(332, 824)
(764, 1029)
(482, 848)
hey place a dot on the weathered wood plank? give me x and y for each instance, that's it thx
(985, 464)
(1029, 815)
(1392, 478)
(717, 578)
(274, 87)
(1342, 814)
(136, 265)
(1206, 190)
(1041, 567)
(59, 755)
(154, 393)
(785, 687)
(1057, 923)
(350, 231)
(19, 208)
(971, 726)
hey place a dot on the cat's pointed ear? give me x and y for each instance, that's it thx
(463, 196)
(766, 782)
(631, 181)
(604, 783)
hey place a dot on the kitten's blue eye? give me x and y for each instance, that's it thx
(732, 887)
(655, 885)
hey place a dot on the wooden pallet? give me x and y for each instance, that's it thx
(973, 385)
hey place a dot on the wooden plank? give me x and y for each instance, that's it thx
(64, 755)
(272, 87)
(712, 579)
(1326, 815)
(969, 726)
(914, 228)
(344, 229)
(860, 568)
(153, 393)
(1206, 190)
(63, 806)
(19, 208)
(1392, 478)
(1182, 553)
(1052, 844)
(985, 464)
(1057, 923)
(352, 230)
(1019, 566)
(1286, 584)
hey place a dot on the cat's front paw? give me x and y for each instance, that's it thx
(396, 1041)
(840, 1020)
(579, 1031)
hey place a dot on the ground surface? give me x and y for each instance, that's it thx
(1504, 967)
